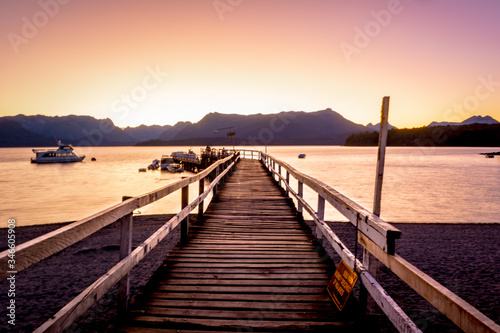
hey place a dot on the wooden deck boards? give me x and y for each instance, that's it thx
(249, 266)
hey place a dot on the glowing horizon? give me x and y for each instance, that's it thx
(156, 62)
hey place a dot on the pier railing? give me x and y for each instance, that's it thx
(375, 234)
(378, 237)
(46, 245)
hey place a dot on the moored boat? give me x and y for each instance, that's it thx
(302, 155)
(63, 154)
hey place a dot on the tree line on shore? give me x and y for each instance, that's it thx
(474, 135)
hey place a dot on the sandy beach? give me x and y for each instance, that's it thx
(463, 257)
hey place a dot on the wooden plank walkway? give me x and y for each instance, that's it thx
(249, 266)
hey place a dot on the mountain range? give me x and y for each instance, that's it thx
(325, 127)
(472, 120)
(321, 127)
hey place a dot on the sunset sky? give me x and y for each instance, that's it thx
(163, 61)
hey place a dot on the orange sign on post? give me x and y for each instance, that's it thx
(341, 284)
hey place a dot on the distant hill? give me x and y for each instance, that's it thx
(12, 134)
(308, 128)
(469, 121)
(145, 133)
(171, 132)
(376, 127)
(474, 135)
(40, 131)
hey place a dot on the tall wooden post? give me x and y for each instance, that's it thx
(185, 221)
(369, 260)
(125, 249)
(382, 143)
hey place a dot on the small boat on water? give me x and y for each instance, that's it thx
(489, 156)
(154, 165)
(143, 170)
(302, 155)
(63, 154)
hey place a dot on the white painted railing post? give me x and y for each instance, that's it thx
(216, 185)
(185, 221)
(321, 215)
(279, 175)
(287, 182)
(300, 193)
(125, 249)
(201, 189)
(272, 169)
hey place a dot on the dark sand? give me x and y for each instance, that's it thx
(463, 257)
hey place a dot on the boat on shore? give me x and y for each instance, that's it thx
(63, 154)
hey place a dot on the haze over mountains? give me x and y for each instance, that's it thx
(325, 127)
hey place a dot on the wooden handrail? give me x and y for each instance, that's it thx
(42, 247)
(378, 230)
(456, 309)
(69, 313)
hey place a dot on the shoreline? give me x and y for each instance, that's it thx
(471, 253)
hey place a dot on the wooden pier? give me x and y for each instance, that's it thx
(249, 265)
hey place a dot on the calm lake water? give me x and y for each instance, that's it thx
(421, 185)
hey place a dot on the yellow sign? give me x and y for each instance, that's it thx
(341, 284)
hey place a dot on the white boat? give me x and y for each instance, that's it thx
(63, 154)
(175, 167)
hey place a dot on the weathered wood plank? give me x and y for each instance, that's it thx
(271, 297)
(244, 323)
